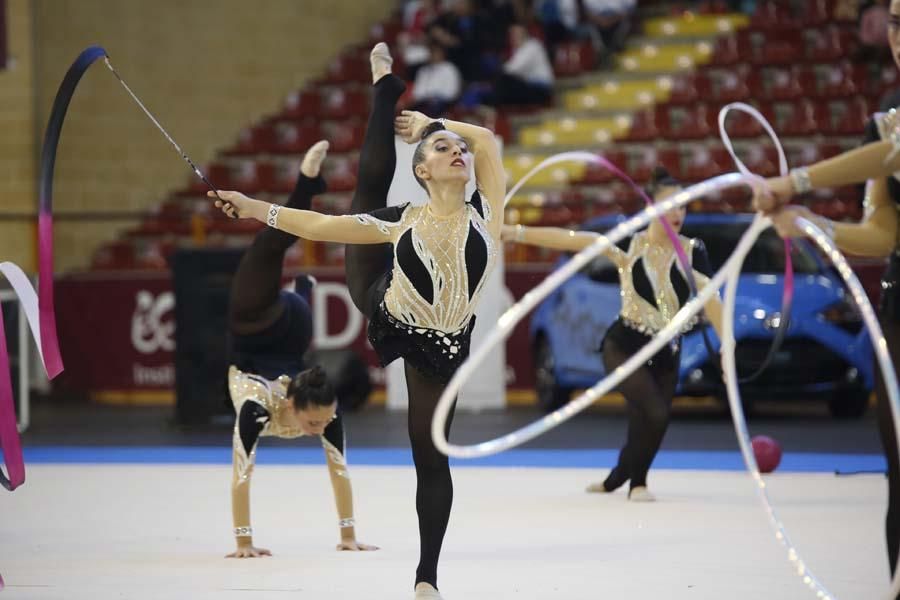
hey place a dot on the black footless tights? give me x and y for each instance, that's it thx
(648, 393)
(255, 302)
(367, 268)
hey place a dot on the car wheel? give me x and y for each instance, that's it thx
(550, 395)
(848, 404)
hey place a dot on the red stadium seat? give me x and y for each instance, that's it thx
(703, 162)
(762, 160)
(597, 174)
(730, 86)
(218, 174)
(154, 226)
(773, 16)
(683, 122)
(344, 136)
(712, 7)
(252, 177)
(850, 116)
(796, 118)
(644, 125)
(741, 125)
(726, 52)
(253, 140)
(284, 176)
(687, 88)
(292, 137)
(117, 255)
(154, 255)
(349, 67)
(784, 84)
(386, 31)
(643, 161)
(301, 104)
(778, 52)
(815, 13)
(343, 103)
(573, 58)
(340, 175)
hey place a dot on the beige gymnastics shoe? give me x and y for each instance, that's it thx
(381, 61)
(641, 494)
(596, 488)
(313, 159)
(425, 591)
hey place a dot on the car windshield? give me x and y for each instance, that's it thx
(766, 256)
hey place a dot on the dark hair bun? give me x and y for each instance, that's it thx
(316, 377)
(660, 174)
(311, 387)
(432, 128)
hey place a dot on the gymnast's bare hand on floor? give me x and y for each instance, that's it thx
(354, 546)
(249, 552)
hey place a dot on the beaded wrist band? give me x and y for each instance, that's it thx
(272, 215)
(800, 180)
(347, 522)
(243, 531)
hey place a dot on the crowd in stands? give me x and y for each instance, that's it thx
(498, 52)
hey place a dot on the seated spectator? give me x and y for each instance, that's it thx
(607, 23)
(527, 76)
(504, 14)
(421, 16)
(437, 85)
(464, 33)
(413, 41)
(559, 19)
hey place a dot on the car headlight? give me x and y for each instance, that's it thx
(843, 314)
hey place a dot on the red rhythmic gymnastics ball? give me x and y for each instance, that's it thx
(767, 452)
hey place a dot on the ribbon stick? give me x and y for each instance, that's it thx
(39, 308)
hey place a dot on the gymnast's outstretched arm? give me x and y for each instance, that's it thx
(557, 238)
(307, 224)
(875, 160)
(875, 236)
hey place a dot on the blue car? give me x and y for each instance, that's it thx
(826, 353)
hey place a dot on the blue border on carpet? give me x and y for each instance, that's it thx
(219, 455)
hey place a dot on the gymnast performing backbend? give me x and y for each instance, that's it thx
(270, 331)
